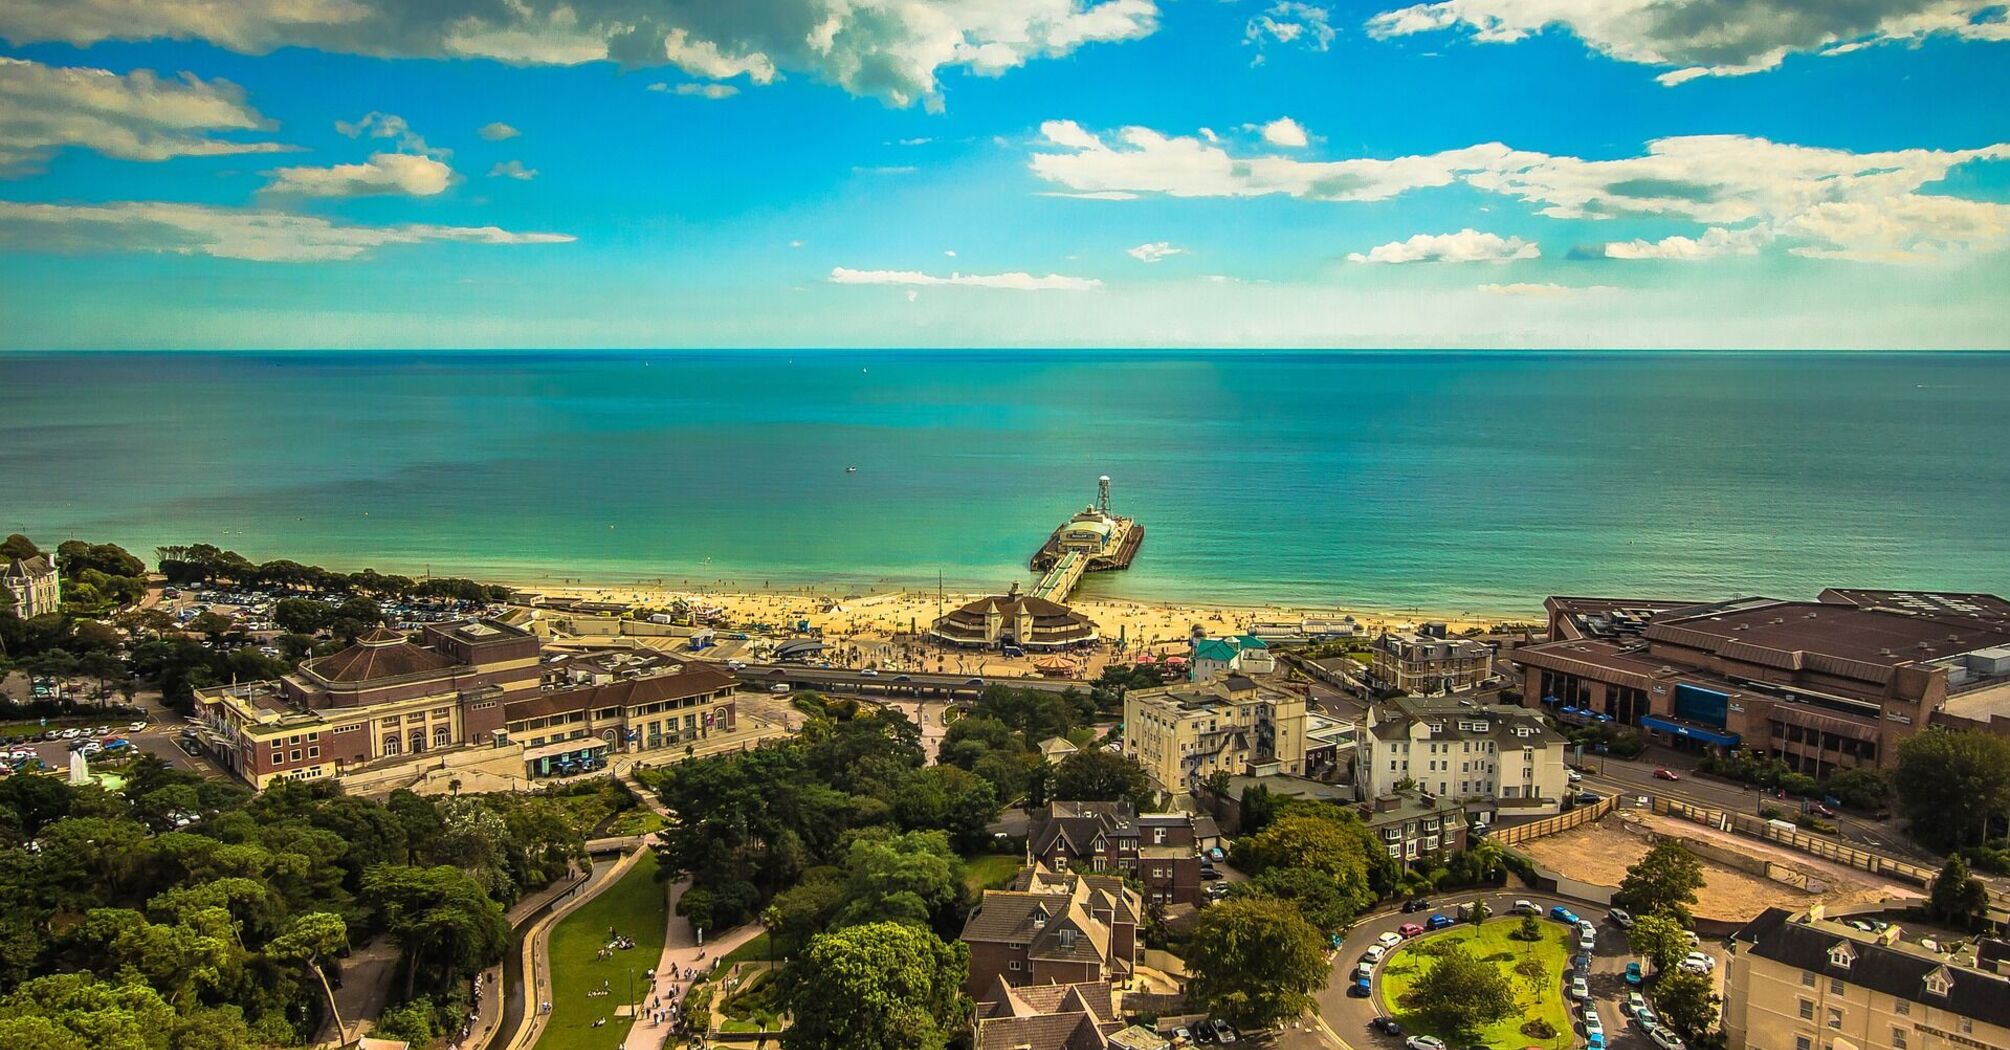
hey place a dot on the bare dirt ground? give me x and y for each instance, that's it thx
(1600, 853)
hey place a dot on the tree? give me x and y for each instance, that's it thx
(1534, 975)
(949, 798)
(1460, 993)
(1103, 776)
(447, 925)
(1316, 895)
(1958, 898)
(1661, 939)
(301, 615)
(1334, 848)
(880, 986)
(1258, 808)
(1686, 1002)
(1859, 788)
(1951, 783)
(1664, 882)
(18, 546)
(310, 938)
(1531, 928)
(1255, 962)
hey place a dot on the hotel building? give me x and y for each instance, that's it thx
(1054, 928)
(1803, 982)
(1832, 683)
(1455, 752)
(1429, 665)
(1183, 733)
(30, 587)
(1160, 850)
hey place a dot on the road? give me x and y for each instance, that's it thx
(899, 683)
(1348, 1016)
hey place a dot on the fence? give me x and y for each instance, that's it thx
(1813, 845)
(1536, 829)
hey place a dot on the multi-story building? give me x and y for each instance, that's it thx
(1054, 927)
(1182, 733)
(1413, 825)
(1832, 683)
(30, 587)
(1454, 751)
(1050, 1017)
(466, 695)
(1429, 665)
(1803, 982)
(1160, 850)
(1244, 654)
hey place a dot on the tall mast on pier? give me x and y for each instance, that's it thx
(1103, 495)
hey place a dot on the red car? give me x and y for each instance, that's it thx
(1409, 929)
(1822, 810)
(1665, 774)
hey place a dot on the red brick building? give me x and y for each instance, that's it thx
(1054, 927)
(1160, 850)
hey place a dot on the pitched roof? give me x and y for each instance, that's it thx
(27, 568)
(1897, 970)
(380, 654)
(694, 679)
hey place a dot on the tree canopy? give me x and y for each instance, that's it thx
(1664, 882)
(879, 986)
(1951, 783)
(1255, 961)
(1461, 993)
(1096, 775)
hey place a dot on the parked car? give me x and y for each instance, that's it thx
(1563, 915)
(1209, 874)
(1579, 990)
(1425, 1042)
(1821, 810)
(1364, 970)
(188, 747)
(1592, 1025)
(1595, 1041)
(1218, 891)
(1203, 1033)
(1573, 775)
(1621, 916)
(1181, 1035)
(1409, 929)
(1374, 953)
(1526, 908)
(1586, 798)
(1586, 940)
(1389, 940)
(1664, 773)
(1665, 1039)
(1416, 904)
(1580, 964)
(1386, 1026)
(1690, 936)
(1697, 962)
(135, 727)
(1223, 1032)
(1361, 988)
(1633, 975)
(1438, 921)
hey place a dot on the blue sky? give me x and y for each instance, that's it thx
(612, 173)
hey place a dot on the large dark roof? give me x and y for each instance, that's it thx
(1784, 939)
(25, 568)
(696, 679)
(378, 655)
(1787, 634)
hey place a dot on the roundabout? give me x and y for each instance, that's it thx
(1539, 1000)
(1353, 1018)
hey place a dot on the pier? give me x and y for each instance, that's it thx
(1094, 540)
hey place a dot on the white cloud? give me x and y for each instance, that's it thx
(949, 252)
(1286, 132)
(1022, 282)
(1816, 202)
(137, 116)
(795, 244)
(225, 233)
(715, 92)
(410, 174)
(1467, 245)
(496, 131)
(513, 169)
(391, 126)
(1543, 291)
(1714, 242)
(889, 49)
(1704, 37)
(1153, 252)
(1289, 23)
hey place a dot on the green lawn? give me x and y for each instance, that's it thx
(990, 871)
(1490, 941)
(636, 907)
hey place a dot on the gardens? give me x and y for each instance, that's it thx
(589, 984)
(1530, 971)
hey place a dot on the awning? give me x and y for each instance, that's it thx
(1703, 733)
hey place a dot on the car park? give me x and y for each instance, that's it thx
(1622, 917)
(1389, 940)
(1386, 1026)
(1438, 921)
(1409, 929)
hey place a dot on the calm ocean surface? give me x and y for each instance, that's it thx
(1446, 481)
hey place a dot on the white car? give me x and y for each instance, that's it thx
(1592, 1025)
(1664, 1038)
(1578, 989)
(1390, 939)
(136, 727)
(1374, 954)
(1574, 775)
(1694, 941)
(1526, 908)
(1697, 962)
(1587, 941)
(1364, 970)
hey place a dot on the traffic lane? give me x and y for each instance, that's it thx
(1349, 1017)
(1631, 778)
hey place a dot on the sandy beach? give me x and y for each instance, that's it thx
(882, 627)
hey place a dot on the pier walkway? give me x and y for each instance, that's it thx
(1059, 581)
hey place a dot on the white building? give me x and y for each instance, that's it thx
(1455, 752)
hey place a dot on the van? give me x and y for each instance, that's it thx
(779, 688)
(1785, 827)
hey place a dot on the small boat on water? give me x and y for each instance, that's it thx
(851, 470)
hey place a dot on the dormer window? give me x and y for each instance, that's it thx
(1842, 955)
(1039, 918)
(1939, 983)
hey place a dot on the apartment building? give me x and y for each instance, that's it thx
(1829, 684)
(1455, 750)
(1182, 733)
(1429, 665)
(1160, 850)
(1804, 982)
(1411, 825)
(1052, 927)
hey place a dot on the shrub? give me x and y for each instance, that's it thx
(1539, 1029)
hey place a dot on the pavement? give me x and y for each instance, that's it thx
(1347, 1017)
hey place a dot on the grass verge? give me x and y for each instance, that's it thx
(1491, 942)
(635, 906)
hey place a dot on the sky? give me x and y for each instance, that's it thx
(1002, 173)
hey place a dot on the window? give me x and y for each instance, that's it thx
(442, 736)
(1938, 983)
(1014, 964)
(1802, 1042)
(391, 745)
(1807, 1009)
(313, 752)
(1897, 1038)
(294, 754)
(1967, 1026)
(1901, 1007)
(1835, 986)
(1835, 1018)
(1807, 979)
(1841, 956)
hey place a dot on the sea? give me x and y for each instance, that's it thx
(1440, 482)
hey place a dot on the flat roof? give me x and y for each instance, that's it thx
(1871, 636)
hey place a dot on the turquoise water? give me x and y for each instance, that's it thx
(1445, 481)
